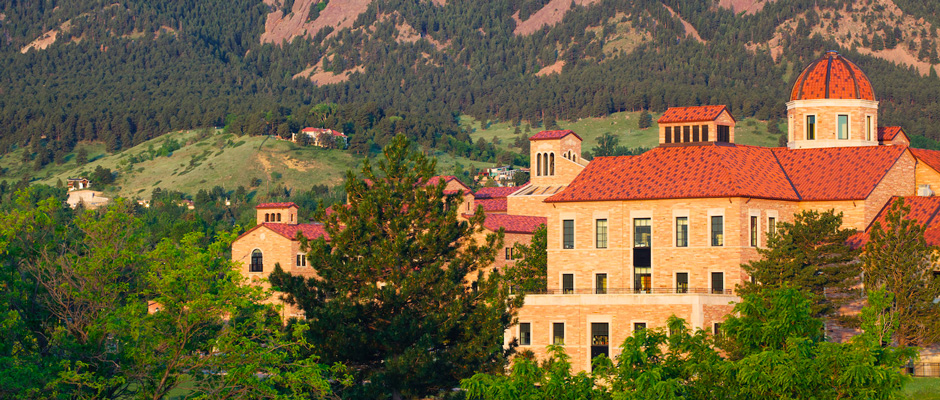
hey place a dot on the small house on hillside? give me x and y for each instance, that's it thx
(321, 137)
(78, 183)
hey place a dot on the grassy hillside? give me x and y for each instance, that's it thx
(624, 124)
(204, 160)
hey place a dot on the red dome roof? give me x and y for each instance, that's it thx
(832, 77)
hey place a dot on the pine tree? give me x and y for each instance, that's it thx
(392, 298)
(811, 254)
(530, 271)
(898, 259)
(646, 120)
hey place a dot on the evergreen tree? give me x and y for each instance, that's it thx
(530, 271)
(898, 259)
(392, 298)
(645, 121)
(81, 158)
(810, 253)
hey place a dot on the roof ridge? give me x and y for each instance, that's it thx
(785, 174)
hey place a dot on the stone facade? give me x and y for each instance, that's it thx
(724, 119)
(862, 122)
(275, 250)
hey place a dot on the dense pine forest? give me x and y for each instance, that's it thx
(122, 72)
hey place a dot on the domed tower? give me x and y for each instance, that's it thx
(832, 104)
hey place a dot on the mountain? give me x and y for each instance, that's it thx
(123, 72)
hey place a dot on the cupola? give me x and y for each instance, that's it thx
(277, 213)
(832, 104)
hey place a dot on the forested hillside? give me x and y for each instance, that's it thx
(122, 72)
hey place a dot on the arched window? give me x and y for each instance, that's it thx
(545, 164)
(257, 262)
(552, 163)
(278, 217)
(267, 217)
(538, 164)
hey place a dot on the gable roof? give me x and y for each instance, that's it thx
(276, 205)
(924, 210)
(929, 157)
(547, 135)
(888, 133)
(692, 114)
(289, 231)
(491, 205)
(513, 223)
(846, 173)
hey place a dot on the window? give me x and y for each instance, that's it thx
(600, 284)
(724, 134)
(601, 233)
(695, 133)
(558, 333)
(677, 135)
(525, 334)
(810, 127)
(716, 330)
(771, 225)
(267, 217)
(567, 283)
(551, 171)
(567, 235)
(704, 133)
(637, 326)
(868, 128)
(668, 135)
(642, 232)
(753, 231)
(509, 253)
(600, 334)
(718, 230)
(278, 217)
(686, 134)
(682, 231)
(538, 164)
(301, 260)
(682, 282)
(257, 262)
(718, 282)
(843, 127)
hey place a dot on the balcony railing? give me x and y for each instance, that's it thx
(626, 291)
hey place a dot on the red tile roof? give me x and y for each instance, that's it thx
(310, 231)
(929, 157)
(837, 173)
(513, 223)
(832, 77)
(491, 205)
(691, 114)
(924, 210)
(546, 135)
(323, 130)
(888, 133)
(276, 205)
(846, 173)
(495, 192)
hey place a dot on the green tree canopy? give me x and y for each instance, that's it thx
(392, 298)
(810, 253)
(530, 271)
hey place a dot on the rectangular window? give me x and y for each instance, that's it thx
(677, 135)
(682, 231)
(568, 233)
(600, 284)
(686, 134)
(567, 283)
(753, 231)
(558, 333)
(642, 232)
(601, 233)
(724, 134)
(718, 282)
(717, 330)
(668, 135)
(682, 282)
(639, 326)
(525, 334)
(718, 230)
(771, 225)
(810, 127)
(301, 260)
(695, 133)
(704, 133)
(868, 128)
(600, 334)
(509, 253)
(843, 127)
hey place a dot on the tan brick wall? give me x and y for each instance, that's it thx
(288, 215)
(826, 122)
(925, 175)
(275, 249)
(899, 181)
(528, 205)
(565, 170)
